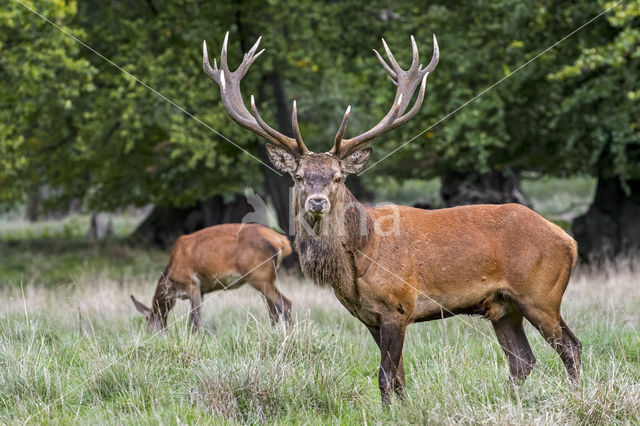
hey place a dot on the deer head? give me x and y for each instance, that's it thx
(319, 178)
(155, 320)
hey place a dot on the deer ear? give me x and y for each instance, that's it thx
(282, 159)
(141, 308)
(356, 162)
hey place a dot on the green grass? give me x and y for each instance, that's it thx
(560, 198)
(59, 262)
(78, 352)
(13, 227)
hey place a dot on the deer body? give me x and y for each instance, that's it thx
(392, 266)
(472, 259)
(216, 258)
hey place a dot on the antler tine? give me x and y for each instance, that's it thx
(407, 82)
(289, 143)
(343, 128)
(414, 50)
(231, 95)
(223, 54)
(254, 47)
(416, 106)
(386, 67)
(250, 57)
(392, 59)
(435, 58)
(211, 72)
(296, 130)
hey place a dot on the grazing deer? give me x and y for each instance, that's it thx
(220, 257)
(392, 266)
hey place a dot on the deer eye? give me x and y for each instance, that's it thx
(299, 178)
(338, 179)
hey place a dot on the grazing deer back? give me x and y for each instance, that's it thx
(224, 250)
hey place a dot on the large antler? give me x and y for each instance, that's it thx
(229, 83)
(407, 82)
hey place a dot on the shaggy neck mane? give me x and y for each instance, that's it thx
(326, 255)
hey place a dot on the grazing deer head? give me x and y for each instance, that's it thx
(501, 262)
(156, 320)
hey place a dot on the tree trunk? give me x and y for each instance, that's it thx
(32, 209)
(161, 227)
(459, 188)
(362, 194)
(165, 224)
(277, 188)
(237, 209)
(611, 226)
(100, 227)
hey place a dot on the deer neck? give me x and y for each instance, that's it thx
(327, 249)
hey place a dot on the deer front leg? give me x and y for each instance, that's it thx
(399, 386)
(391, 375)
(194, 315)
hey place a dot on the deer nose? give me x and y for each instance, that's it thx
(318, 204)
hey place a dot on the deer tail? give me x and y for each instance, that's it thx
(278, 259)
(574, 252)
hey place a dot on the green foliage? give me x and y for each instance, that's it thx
(140, 147)
(623, 48)
(606, 100)
(43, 85)
(510, 123)
(76, 123)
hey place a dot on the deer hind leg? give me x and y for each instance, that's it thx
(555, 331)
(284, 307)
(515, 345)
(571, 353)
(279, 306)
(273, 311)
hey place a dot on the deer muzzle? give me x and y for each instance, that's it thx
(317, 205)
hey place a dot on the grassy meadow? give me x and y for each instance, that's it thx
(74, 350)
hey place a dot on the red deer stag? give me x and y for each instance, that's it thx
(392, 266)
(220, 257)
